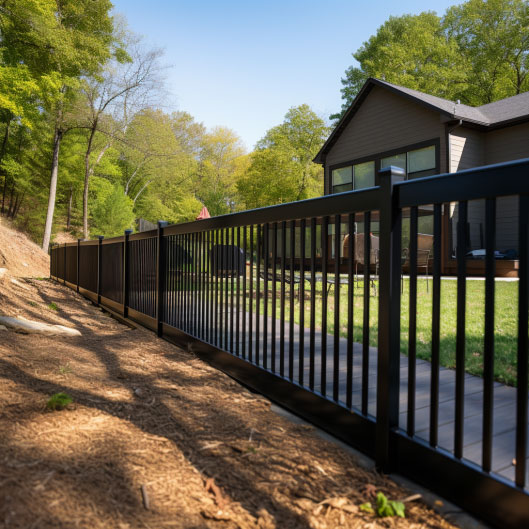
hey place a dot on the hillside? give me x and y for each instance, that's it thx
(19, 255)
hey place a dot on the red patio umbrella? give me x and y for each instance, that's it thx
(204, 214)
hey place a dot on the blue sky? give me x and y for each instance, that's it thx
(243, 64)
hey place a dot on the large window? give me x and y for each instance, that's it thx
(417, 163)
(357, 176)
(414, 162)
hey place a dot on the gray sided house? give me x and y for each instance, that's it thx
(427, 135)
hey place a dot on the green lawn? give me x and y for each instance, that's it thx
(505, 321)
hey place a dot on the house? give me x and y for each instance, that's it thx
(427, 135)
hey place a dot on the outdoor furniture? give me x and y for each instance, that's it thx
(227, 260)
(424, 251)
(358, 256)
(270, 277)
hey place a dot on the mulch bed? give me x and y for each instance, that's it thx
(156, 438)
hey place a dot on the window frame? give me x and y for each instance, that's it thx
(377, 157)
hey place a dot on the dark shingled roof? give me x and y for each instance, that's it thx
(500, 113)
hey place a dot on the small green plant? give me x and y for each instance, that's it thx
(366, 507)
(53, 306)
(41, 278)
(385, 507)
(59, 401)
(33, 303)
(65, 369)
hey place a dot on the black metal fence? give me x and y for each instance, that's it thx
(279, 298)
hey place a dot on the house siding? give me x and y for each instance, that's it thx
(503, 145)
(467, 149)
(384, 122)
(510, 143)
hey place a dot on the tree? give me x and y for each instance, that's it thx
(128, 84)
(82, 41)
(412, 51)
(113, 212)
(281, 168)
(477, 52)
(220, 152)
(493, 39)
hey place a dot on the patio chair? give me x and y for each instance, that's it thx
(424, 252)
(358, 257)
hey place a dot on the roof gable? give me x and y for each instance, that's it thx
(492, 115)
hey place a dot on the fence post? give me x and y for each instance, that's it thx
(99, 266)
(50, 252)
(78, 261)
(388, 316)
(160, 274)
(126, 273)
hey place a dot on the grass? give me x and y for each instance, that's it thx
(506, 306)
(53, 306)
(59, 401)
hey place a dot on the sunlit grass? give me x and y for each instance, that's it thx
(506, 305)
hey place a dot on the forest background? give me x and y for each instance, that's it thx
(87, 145)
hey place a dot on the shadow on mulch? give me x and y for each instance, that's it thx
(157, 438)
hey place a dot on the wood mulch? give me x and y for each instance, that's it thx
(156, 438)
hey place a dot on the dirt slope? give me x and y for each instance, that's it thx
(21, 257)
(155, 438)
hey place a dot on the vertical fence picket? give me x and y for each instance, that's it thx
(312, 335)
(460, 331)
(301, 291)
(522, 353)
(488, 346)
(292, 300)
(336, 344)
(412, 324)
(350, 310)
(274, 297)
(324, 315)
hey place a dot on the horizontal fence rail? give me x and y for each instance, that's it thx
(307, 303)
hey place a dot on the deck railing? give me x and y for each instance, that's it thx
(275, 298)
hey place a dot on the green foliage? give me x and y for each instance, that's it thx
(477, 52)
(385, 507)
(53, 306)
(113, 212)
(59, 401)
(281, 168)
(493, 39)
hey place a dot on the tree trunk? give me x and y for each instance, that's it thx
(15, 206)
(53, 188)
(15, 213)
(87, 180)
(9, 211)
(69, 215)
(4, 194)
(4, 144)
